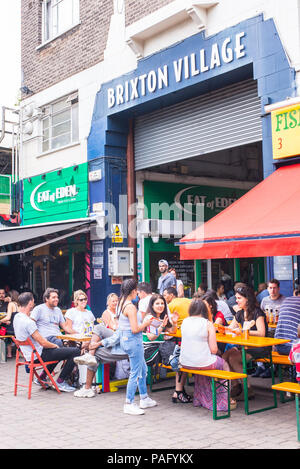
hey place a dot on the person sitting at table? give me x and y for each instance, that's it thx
(153, 338)
(216, 316)
(26, 328)
(80, 320)
(287, 326)
(50, 320)
(180, 307)
(49, 317)
(104, 348)
(8, 319)
(110, 316)
(220, 290)
(175, 304)
(248, 311)
(119, 369)
(294, 355)
(199, 350)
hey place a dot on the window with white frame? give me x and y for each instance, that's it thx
(60, 123)
(58, 17)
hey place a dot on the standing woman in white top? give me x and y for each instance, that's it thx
(199, 350)
(131, 341)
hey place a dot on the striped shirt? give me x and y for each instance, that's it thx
(289, 319)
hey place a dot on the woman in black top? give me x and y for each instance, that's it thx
(249, 311)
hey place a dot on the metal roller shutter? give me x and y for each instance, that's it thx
(215, 121)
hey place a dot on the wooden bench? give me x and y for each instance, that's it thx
(150, 376)
(293, 388)
(216, 376)
(107, 385)
(104, 382)
(280, 360)
(277, 359)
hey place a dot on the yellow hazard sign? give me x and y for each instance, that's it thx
(117, 234)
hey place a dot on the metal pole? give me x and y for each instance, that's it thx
(131, 191)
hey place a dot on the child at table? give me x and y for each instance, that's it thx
(294, 356)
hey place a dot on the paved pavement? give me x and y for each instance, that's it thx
(53, 421)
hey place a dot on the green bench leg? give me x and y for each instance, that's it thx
(214, 384)
(282, 397)
(149, 377)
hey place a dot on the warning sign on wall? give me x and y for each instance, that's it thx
(117, 233)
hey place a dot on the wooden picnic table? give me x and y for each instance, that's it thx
(74, 337)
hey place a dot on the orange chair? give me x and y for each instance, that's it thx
(33, 367)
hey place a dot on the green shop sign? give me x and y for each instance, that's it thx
(56, 196)
(5, 195)
(171, 201)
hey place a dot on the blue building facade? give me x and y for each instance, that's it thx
(192, 67)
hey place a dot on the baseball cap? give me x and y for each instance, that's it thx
(163, 261)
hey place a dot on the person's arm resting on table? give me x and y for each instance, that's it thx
(42, 341)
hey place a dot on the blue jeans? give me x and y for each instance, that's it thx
(132, 344)
(283, 349)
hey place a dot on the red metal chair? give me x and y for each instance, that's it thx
(33, 367)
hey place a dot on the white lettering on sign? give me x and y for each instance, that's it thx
(190, 201)
(183, 68)
(60, 193)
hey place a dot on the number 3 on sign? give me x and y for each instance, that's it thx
(279, 144)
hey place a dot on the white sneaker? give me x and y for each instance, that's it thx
(132, 409)
(83, 392)
(86, 359)
(147, 402)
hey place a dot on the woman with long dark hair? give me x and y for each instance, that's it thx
(131, 342)
(154, 339)
(211, 304)
(248, 311)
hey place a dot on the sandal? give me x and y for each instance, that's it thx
(233, 404)
(181, 397)
(188, 396)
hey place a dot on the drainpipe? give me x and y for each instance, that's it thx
(2, 125)
(131, 196)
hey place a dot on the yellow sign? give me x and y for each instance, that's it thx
(117, 236)
(286, 132)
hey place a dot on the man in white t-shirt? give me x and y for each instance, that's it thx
(49, 318)
(144, 292)
(25, 328)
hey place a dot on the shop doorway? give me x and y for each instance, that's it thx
(250, 271)
(59, 279)
(184, 270)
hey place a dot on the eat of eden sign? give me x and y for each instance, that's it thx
(286, 132)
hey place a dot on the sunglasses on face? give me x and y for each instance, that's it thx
(82, 299)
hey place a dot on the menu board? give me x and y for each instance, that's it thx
(283, 268)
